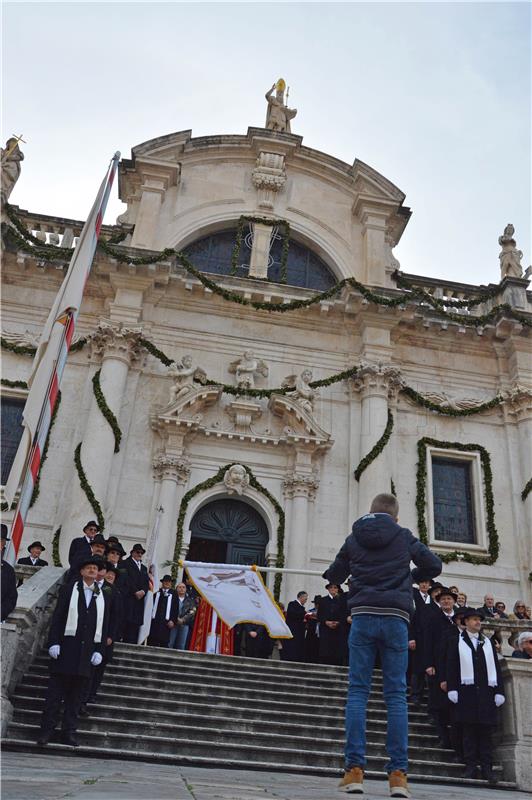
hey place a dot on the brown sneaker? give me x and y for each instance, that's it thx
(398, 784)
(352, 782)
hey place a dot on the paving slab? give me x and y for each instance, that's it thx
(28, 776)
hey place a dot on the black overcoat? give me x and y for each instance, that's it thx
(116, 618)
(27, 562)
(9, 590)
(76, 651)
(294, 649)
(159, 630)
(417, 660)
(476, 703)
(437, 629)
(79, 548)
(332, 640)
(136, 580)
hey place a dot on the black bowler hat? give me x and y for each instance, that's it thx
(116, 546)
(36, 544)
(435, 586)
(328, 585)
(167, 578)
(137, 548)
(111, 539)
(446, 592)
(472, 612)
(98, 539)
(418, 575)
(92, 524)
(4, 533)
(90, 560)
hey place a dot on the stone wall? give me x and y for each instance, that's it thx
(514, 749)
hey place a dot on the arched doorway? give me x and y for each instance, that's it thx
(228, 531)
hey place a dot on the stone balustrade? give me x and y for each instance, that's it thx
(513, 292)
(57, 231)
(514, 737)
(508, 630)
(24, 571)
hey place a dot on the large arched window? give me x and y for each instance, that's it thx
(304, 268)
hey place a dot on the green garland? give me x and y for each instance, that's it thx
(526, 491)
(392, 488)
(50, 252)
(208, 484)
(18, 349)
(44, 456)
(106, 411)
(450, 412)
(377, 448)
(421, 481)
(437, 302)
(87, 488)
(262, 221)
(14, 384)
(151, 348)
(56, 558)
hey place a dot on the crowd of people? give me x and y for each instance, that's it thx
(102, 601)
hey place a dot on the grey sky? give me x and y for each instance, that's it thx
(434, 96)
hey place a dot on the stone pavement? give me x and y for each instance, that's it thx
(27, 776)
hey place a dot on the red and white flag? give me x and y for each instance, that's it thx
(49, 363)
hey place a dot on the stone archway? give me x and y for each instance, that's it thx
(226, 530)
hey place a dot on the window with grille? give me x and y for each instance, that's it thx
(452, 496)
(12, 408)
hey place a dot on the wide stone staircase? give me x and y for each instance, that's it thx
(185, 708)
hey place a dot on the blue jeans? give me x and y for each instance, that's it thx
(178, 637)
(388, 636)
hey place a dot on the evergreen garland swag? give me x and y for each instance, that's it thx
(421, 487)
(526, 491)
(376, 449)
(106, 411)
(208, 484)
(87, 488)
(56, 558)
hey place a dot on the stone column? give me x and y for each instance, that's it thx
(260, 253)
(155, 180)
(118, 347)
(376, 384)
(172, 471)
(299, 488)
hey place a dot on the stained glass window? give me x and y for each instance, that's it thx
(304, 268)
(454, 517)
(12, 408)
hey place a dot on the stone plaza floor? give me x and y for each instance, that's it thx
(27, 776)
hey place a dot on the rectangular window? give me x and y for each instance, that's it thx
(452, 494)
(12, 408)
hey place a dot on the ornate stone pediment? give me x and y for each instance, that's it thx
(300, 425)
(189, 408)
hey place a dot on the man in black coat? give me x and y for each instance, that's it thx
(80, 548)
(8, 582)
(475, 687)
(422, 601)
(75, 644)
(294, 649)
(488, 609)
(257, 641)
(332, 616)
(438, 628)
(137, 584)
(34, 559)
(164, 614)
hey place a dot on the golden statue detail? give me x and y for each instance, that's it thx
(278, 115)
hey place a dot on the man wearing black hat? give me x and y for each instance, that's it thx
(8, 580)
(439, 627)
(164, 614)
(332, 617)
(136, 585)
(75, 644)
(475, 687)
(294, 648)
(81, 547)
(422, 601)
(34, 559)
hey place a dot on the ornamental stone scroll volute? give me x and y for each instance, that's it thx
(268, 178)
(116, 342)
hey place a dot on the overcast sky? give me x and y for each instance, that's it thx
(435, 96)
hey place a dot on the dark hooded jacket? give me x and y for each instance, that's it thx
(377, 556)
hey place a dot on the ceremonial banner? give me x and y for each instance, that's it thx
(238, 595)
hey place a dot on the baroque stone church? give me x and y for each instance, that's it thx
(251, 366)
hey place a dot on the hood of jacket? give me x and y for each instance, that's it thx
(375, 531)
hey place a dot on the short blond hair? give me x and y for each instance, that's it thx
(385, 504)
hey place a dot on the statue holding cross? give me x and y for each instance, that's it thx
(11, 157)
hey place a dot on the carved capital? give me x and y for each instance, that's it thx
(297, 484)
(268, 177)
(169, 467)
(116, 341)
(377, 379)
(518, 402)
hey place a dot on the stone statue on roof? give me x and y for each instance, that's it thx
(278, 115)
(11, 157)
(510, 257)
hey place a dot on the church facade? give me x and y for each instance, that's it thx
(252, 366)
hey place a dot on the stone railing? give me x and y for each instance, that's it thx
(58, 231)
(513, 292)
(514, 745)
(507, 630)
(25, 630)
(23, 572)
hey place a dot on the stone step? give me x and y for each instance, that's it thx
(215, 729)
(140, 742)
(35, 683)
(228, 717)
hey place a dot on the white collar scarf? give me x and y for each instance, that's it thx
(168, 605)
(72, 618)
(467, 672)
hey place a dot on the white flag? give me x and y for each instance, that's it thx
(238, 595)
(151, 561)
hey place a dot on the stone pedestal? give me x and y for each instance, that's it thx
(260, 252)
(514, 749)
(155, 179)
(172, 471)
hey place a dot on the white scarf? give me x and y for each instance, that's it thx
(168, 606)
(467, 673)
(72, 618)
